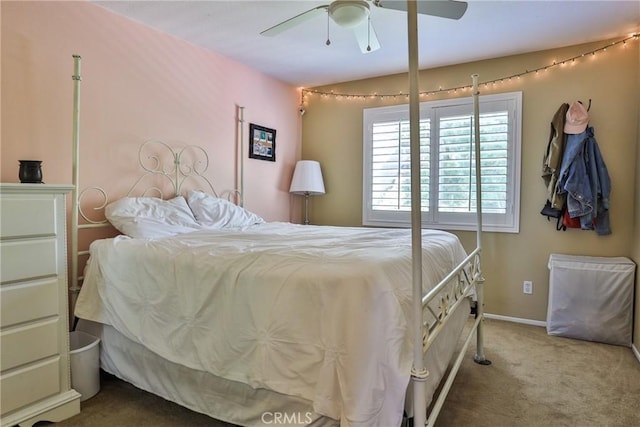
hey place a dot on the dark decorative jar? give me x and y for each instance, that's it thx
(30, 171)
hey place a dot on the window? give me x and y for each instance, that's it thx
(447, 164)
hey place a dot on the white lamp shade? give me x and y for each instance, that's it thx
(307, 178)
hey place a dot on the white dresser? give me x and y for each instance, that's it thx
(35, 377)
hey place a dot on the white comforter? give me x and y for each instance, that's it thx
(318, 312)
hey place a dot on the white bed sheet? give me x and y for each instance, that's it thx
(199, 391)
(232, 401)
(321, 313)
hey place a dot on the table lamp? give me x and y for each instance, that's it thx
(307, 181)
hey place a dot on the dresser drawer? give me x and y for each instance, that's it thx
(27, 301)
(26, 344)
(27, 259)
(28, 215)
(28, 385)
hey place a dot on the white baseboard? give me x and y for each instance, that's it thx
(635, 350)
(516, 319)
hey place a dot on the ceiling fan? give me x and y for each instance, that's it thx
(355, 14)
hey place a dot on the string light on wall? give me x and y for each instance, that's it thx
(517, 76)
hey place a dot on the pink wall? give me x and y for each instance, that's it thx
(137, 84)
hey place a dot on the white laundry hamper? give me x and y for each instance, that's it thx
(85, 364)
(591, 298)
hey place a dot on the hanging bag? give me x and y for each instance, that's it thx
(551, 212)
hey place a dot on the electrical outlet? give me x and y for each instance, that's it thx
(527, 287)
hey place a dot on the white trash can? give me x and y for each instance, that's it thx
(85, 363)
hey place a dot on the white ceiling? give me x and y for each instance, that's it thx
(299, 56)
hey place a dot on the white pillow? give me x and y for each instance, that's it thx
(151, 217)
(212, 212)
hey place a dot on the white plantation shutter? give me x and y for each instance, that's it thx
(456, 160)
(390, 165)
(447, 155)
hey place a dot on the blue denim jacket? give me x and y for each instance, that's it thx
(585, 179)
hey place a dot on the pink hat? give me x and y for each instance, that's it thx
(577, 118)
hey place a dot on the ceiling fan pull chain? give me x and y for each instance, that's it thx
(369, 33)
(328, 41)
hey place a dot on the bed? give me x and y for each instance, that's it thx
(316, 312)
(204, 303)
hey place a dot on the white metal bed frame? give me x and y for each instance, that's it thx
(467, 275)
(424, 333)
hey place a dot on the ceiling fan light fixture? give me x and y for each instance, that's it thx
(349, 13)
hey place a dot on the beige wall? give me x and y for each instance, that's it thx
(332, 134)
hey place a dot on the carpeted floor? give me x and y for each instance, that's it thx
(539, 380)
(535, 380)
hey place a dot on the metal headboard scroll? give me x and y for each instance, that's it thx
(175, 167)
(92, 223)
(180, 170)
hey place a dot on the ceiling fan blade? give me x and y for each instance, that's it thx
(366, 37)
(451, 9)
(296, 20)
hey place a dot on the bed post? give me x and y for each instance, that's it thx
(241, 120)
(74, 287)
(479, 356)
(419, 373)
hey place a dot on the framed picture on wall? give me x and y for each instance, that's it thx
(262, 143)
